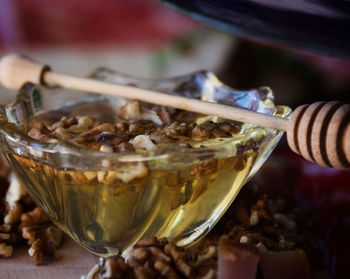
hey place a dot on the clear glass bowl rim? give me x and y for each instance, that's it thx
(19, 138)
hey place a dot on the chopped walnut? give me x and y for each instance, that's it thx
(14, 193)
(134, 111)
(151, 241)
(151, 116)
(125, 147)
(4, 236)
(114, 268)
(165, 115)
(150, 258)
(122, 126)
(61, 134)
(143, 142)
(284, 221)
(200, 133)
(178, 257)
(137, 257)
(6, 251)
(84, 123)
(254, 218)
(41, 133)
(244, 239)
(130, 111)
(22, 221)
(43, 242)
(29, 233)
(131, 169)
(175, 130)
(144, 272)
(259, 211)
(102, 128)
(64, 122)
(165, 270)
(143, 127)
(209, 253)
(42, 251)
(41, 235)
(14, 212)
(33, 218)
(106, 149)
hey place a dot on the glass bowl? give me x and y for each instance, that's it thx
(108, 201)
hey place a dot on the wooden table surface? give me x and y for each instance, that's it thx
(74, 261)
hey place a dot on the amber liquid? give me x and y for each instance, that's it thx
(107, 218)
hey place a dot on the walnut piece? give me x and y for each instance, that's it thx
(114, 268)
(131, 169)
(84, 123)
(41, 235)
(42, 251)
(23, 221)
(150, 258)
(43, 241)
(33, 218)
(6, 251)
(14, 193)
(143, 142)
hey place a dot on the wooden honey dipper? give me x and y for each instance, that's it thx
(320, 132)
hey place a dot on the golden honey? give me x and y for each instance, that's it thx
(108, 217)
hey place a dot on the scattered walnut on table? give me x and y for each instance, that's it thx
(32, 226)
(178, 256)
(150, 258)
(6, 251)
(35, 217)
(42, 236)
(114, 268)
(42, 251)
(259, 211)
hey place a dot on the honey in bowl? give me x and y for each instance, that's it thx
(107, 201)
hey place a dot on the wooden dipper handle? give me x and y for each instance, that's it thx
(320, 132)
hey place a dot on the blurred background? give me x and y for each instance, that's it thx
(148, 39)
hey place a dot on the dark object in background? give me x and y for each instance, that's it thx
(295, 78)
(319, 25)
